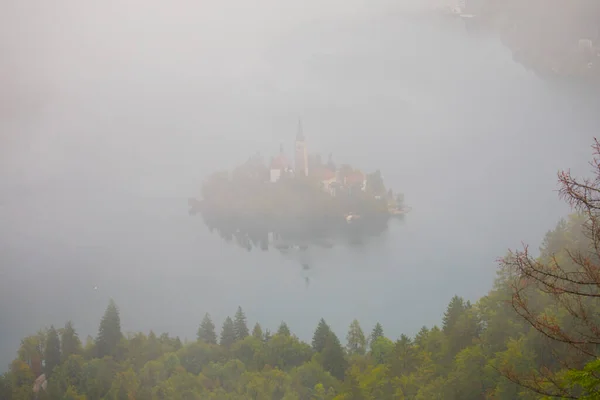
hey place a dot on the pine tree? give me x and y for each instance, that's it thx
(70, 341)
(377, 333)
(283, 329)
(332, 356)
(357, 343)
(52, 351)
(227, 333)
(109, 333)
(206, 331)
(239, 325)
(257, 332)
(320, 335)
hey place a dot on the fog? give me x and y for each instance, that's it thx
(112, 113)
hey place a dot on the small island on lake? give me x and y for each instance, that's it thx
(308, 203)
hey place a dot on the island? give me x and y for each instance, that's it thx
(285, 205)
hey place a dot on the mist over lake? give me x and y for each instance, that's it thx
(103, 141)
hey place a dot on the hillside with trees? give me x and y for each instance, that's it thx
(535, 335)
(558, 40)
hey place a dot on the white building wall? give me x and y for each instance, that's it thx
(275, 175)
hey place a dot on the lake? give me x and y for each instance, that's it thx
(94, 189)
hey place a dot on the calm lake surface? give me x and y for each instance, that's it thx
(94, 189)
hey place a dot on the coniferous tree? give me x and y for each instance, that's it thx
(109, 333)
(283, 329)
(376, 333)
(453, 312)
(239, 325)
(70, 343)
(52, 351)
(320, 336)
(357, 343)
(421, 336)
(257, 332)
(177, 343)
(227, 333)
(332, 356)
(206, 331)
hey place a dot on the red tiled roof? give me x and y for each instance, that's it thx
(355, 177)
(279, 162)
(324, 174)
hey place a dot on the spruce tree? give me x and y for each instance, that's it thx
(206, 331)
(320, 335)
(357, 343)
(421, 336)
(333, 358)
(239, 325)
(70, 343)
(257, 332)
(455, 309)
(377, 333)
(52, 351)
(109, 333)
(227, 333)
(283, 330)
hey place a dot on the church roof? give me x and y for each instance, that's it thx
(324, 174)
(355, 177)
(280, 162)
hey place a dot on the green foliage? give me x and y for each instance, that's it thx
(109, 333)
(483, 351)
(587, 380)
(356, 341)
(283, 329)
(52, 351)
(333, 357)
(240, 328)
(257, 332)
(376, 333)
(70, 343)
(206, 331)
(320, 336)
(227, 333)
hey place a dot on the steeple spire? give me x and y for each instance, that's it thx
(300, 134)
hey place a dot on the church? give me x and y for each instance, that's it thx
(280, 164)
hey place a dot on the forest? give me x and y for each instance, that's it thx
(535, 335)
(558, 40)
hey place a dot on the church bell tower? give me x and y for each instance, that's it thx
(301, 160)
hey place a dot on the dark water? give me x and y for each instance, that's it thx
(96, 191)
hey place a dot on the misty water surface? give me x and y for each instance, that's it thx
(110, 131)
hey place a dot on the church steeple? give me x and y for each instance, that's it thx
(300, 133)
(301, 165)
